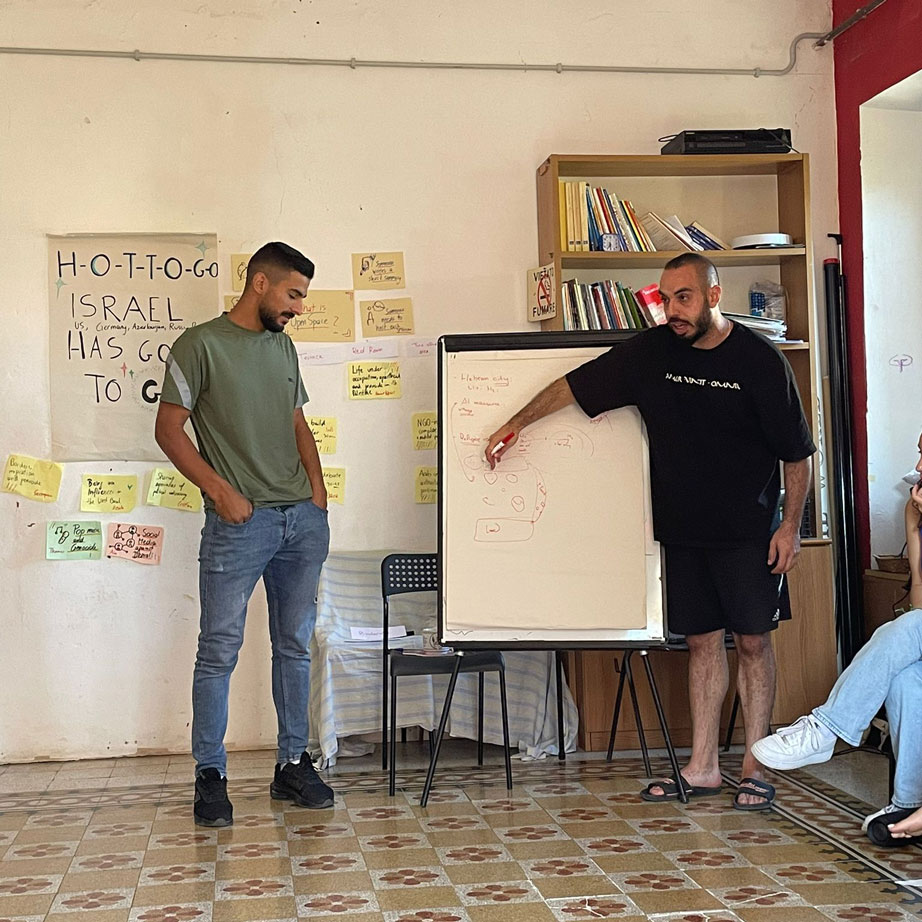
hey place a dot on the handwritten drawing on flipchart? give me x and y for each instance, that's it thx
(510, 499)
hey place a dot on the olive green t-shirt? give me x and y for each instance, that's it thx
(242, 388)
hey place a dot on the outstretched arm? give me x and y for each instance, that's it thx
(555, 396)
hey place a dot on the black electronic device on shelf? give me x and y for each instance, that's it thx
(738, 141)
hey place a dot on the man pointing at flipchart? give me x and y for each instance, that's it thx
(721, 410)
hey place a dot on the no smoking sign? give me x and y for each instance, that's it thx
(542, 293)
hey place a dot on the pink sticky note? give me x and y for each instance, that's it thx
(140, 543)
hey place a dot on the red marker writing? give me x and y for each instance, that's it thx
(501, 443)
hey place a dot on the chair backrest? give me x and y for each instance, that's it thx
(409, 573)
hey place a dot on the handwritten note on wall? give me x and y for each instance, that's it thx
(378, 271)
(238, 269)
(140, 543)
(169, 488)
(33, 478)
(386, 316)
(230, 302)
(116, 304)
(427, 484)
(329, 317)
(334, 478)
(425, 430)
(324, 430)
(73, 541)
(373, 380)
(108, 493)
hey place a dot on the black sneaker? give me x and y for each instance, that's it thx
(302, 784)
(212, 808)
(878, 832)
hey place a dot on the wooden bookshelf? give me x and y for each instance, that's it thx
(731, 195)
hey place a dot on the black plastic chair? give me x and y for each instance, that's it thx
(401, 573)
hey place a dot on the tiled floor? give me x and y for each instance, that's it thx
(114, 840)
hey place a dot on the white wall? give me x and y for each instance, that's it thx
(96, 657)
(891, 204)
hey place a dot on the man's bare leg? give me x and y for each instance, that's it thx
(708, 679)
(756, 683)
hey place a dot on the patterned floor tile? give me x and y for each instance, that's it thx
(499, 893)
(181, 912)
(617, 906)
(410, 876)
(438, 914)
(338, 904)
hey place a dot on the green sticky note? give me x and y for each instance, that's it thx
(73, 541)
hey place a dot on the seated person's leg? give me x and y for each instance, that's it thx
(854, 700)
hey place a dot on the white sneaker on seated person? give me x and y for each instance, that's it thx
(804, 742)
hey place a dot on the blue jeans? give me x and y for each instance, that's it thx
(887, 670)
(286, 546)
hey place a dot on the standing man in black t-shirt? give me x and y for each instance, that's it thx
(721, 410)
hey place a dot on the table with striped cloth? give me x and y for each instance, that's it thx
(345, 696)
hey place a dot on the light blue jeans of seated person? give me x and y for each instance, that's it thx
(887, 670)
(286, 547)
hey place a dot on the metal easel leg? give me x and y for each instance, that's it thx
(680, 788)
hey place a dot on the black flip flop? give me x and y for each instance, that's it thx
(756, 788)
(671, 790)
(879, 834)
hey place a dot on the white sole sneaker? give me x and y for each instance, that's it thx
(805, 742)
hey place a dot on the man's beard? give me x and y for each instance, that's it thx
(701, 325)
(271, 321)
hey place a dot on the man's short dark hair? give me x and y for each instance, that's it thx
(275, 258)
(707, 271)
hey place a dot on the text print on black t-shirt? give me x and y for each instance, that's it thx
(702, 382)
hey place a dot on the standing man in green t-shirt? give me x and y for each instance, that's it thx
(257, 465)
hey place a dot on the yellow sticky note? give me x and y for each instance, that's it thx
(238, 269)
(329, 317)
(372, 380)
(230, 302)
(334, 479)
(425, 430)
(324, 429)
(169, 488)
(386, 316)
(378, 271)
(108, 493)
(427, 484)
(32, 477)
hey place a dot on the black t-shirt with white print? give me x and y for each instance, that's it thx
(718, 420)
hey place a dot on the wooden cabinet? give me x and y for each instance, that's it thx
(731, 195)
(884, 594)
(805, 651)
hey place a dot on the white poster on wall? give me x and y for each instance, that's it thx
(116, 303)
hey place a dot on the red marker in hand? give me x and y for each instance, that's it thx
(501, 443)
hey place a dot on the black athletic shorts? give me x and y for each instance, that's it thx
(711, 589)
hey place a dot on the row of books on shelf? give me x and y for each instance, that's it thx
(594, 219)
(610, 305)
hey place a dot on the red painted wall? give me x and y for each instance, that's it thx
(881, 50)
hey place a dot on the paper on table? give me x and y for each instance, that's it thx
(377, 633)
